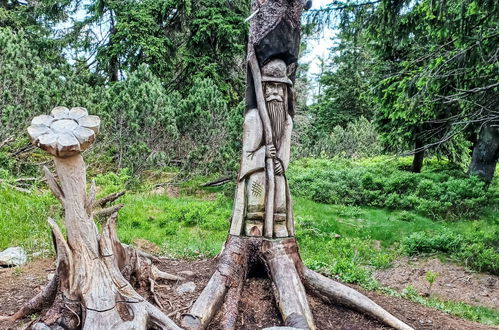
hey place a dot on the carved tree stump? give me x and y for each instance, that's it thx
(262, 224)
(89, 289)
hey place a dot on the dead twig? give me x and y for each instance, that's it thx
(108, 199)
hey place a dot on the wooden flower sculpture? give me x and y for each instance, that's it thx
(64, 132)
(91, 288)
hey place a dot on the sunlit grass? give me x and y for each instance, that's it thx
(347, 242)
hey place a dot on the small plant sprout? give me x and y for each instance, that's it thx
(431, 277)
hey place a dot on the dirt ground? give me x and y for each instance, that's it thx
(453, 282)
(257, 308)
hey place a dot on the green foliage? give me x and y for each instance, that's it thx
(473, 313)
(343, 86)
(426, 70)
(112, 182)
(480, 251)
(204, 120)
(138, 119)
(437, 192)
(357, 139)
(183, 227)
(431, 277)
(25, 78)
(166, 71)
(24, 219)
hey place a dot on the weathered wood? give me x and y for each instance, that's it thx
(280, 257)
(65, 132)
(267, 128)
(161, 275)
(89, 264)
(108, 199)
(342, 294)
(217, 182)
(53, 185)
(108, 210)
(232, 263)
(207, 304)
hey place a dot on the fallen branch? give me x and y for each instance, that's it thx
(108, 211)
(5, 142)
(23, 190)
(217, 182)
(108, 199)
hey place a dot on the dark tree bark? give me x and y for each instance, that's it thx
(486, 153)
(417, 162)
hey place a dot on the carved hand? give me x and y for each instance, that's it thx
(270, 151)
(278, 170)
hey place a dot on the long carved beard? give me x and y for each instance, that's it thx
(277, 116)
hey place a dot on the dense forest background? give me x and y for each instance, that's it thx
(167, 79)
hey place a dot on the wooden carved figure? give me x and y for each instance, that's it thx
(263, 202)
(262, 225)
(90, 289)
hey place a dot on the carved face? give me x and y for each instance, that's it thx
(275, 98)
(274, 91)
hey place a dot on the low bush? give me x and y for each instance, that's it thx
(479, 251)
(440, 191)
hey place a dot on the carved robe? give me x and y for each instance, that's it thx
(249, 204)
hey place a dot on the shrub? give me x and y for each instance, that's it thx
(421, 242)
(438, 192)
(357, 139)
(478, 251)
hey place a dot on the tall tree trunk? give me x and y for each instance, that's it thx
(486, 153)
(262, 226)
(113, 61)
(417, 162)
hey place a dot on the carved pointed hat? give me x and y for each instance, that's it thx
(275, 71)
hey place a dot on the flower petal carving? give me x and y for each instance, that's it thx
(64, 132)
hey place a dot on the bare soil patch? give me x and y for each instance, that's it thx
(257, 308)
(453, 282)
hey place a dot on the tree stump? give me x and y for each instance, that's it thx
(90, 289)
(262, 224)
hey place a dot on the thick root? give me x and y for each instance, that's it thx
(229, 274)
(289, 276)
(342, 294)
(280, 257)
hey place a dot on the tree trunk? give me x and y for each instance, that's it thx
(90, 264)
(263, 199)
(417, 162)
(281, 260)
(486, 153)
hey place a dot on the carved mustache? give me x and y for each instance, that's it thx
(274, 97)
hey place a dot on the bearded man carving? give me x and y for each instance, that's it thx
(249, 205)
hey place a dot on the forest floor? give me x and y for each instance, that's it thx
(20, 284)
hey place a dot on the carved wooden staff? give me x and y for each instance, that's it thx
(269, 162)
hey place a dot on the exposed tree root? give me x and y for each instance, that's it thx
(92, 286)
(284, 267)
(37, 303)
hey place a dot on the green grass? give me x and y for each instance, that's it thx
(183, 227)
(346, 242)
(23, 219)
(473, 313)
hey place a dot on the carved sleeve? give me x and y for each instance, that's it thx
(253, 158)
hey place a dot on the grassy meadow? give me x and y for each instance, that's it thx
(346, 240)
